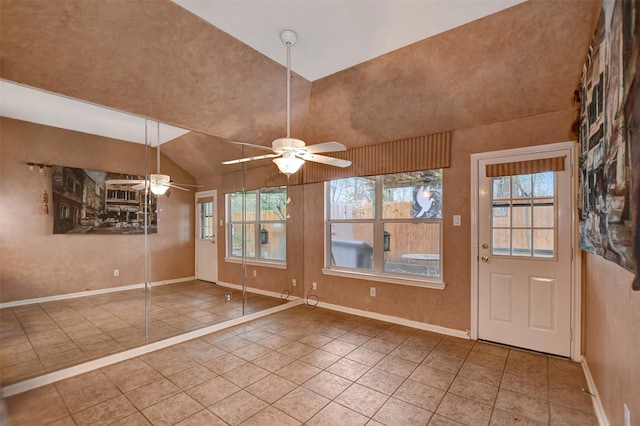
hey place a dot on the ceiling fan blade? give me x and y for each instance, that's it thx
(139, 186)
(325, 147)
(123, 181)
(244, 160)
(187, 184)
(171, 185)
(331, 161)
(264, 148)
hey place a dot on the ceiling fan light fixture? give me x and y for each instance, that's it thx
(288, 164)
(158, 181)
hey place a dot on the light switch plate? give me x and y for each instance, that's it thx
(456, 220)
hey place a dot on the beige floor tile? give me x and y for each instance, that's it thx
(315, 340)
(271, 416)
(381, 381)
(399, 413)
(271, 388)
(571, 396)
(365, 356)
(433, 377)
(151, 393)
(238, 407)
(338, 347)
(301, 404)
(410, 353)
(441, 361)
(320, 358)
(38, 406)
(105, 412)
(212, 391)
(136, 419)
(464, 410)
(274, 342)
(398, 366)
(65, 421)
(523, 405)
(192, 377)
(354, 338)
(438, 420)
(251, 351)
(245, 375)
(524, 386)
(362, 399)
(273, 361)
(224, 363)
(296, 349)
(202, 418)
(232, 343)
(567, 416)
(537, 359)
(199, 350)
(487, 360)
(349, 369)
(474, 390)
(490, 348)
(172, 410)
(419, 395)
(381, 345)
(327, 384)
(535, 372)
(451, 350)
(336, 414)
(503, 418)
(298, 372)
(85, 397)
(168, 361)
(482, 374)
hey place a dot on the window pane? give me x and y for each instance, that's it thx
(521, 212)
(236, 240)
(543, 213)
(235, 205)
(501, 217)
(521, 242)
(206, 221)
(543, 243)
(543, 184)
(413, 195)
(352, 198)
(352, 245)
(414, 248)
(501, 244)
(501, 188)
(273, 241)
(273, 203)
(521, 186)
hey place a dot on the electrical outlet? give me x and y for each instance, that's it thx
(372, 291)
(116, 272)
(314, 286)
(627, 416)
(255, 273)
(293, 282)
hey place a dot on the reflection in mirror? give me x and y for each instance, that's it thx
(69, 298)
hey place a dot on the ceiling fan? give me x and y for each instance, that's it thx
(289, 153)
(158, 183)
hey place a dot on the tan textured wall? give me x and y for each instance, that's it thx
(612, 336)
(449, 307)
(36, 263)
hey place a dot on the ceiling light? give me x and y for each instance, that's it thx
(288, 163)
(158, 186)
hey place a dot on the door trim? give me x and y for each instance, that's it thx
(202, 194)
(576, 288)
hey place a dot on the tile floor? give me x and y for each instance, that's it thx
(44, 337)
(318, 367)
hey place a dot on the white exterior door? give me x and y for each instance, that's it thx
(525, 253)
(206, 241)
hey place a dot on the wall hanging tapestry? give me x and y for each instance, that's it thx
(607, 160)
(86, 202)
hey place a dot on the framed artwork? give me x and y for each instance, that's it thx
(86, 202)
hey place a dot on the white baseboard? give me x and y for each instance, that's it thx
(595, 398)
(95, 364)
(397, 320)
(89, 293)
(255, 290)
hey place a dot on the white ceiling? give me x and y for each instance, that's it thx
(337, 34)
(333, 35)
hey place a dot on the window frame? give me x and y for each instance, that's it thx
(377, 273)
(257, 224)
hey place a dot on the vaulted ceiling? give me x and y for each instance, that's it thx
(158, 60)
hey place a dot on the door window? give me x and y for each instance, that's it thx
(523, 216)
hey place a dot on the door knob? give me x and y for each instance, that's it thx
(485, 245)
(485, 258)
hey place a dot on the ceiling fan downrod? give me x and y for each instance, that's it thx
(289, 38)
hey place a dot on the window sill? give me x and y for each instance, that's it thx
(266, 263)
(386, 278)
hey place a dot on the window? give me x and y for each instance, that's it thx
(260, 216)
(206, 220)
(523, 216)
(388, 225)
